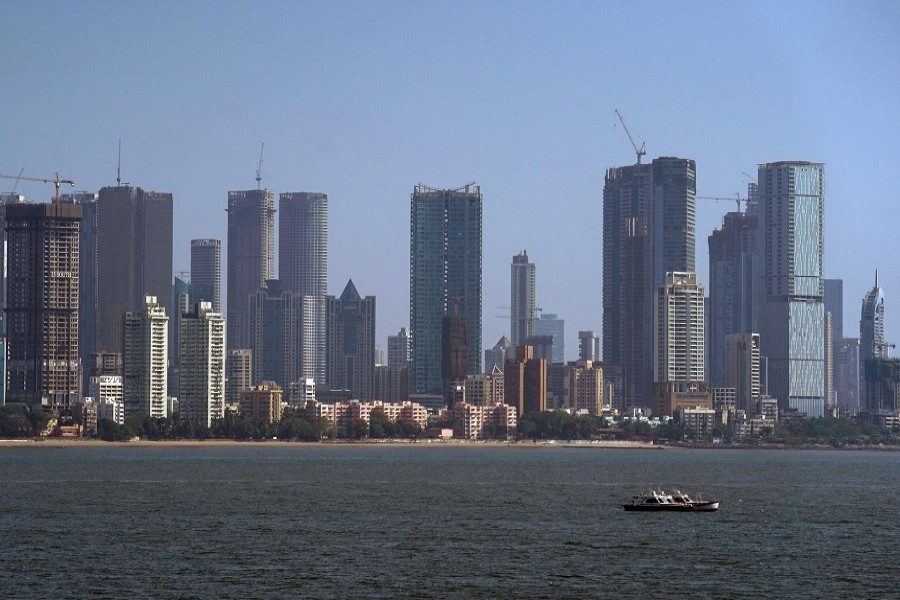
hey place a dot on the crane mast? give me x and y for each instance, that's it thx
(639, 151)
(259, 167)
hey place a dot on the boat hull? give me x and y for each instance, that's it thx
(659, 507)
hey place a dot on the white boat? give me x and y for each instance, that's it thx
(658, 500)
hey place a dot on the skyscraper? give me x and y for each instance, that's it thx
(5, 199)
(679, 337)
(848, 376)
(303, 266)
(43, 369)
(648, 231)
(791, 242)
(732, 254)
(206, 272)
(146, 335)
(350, 332)
(251, 257)
(134, 258)
(181, 301)
(280, 346)
(445, 264)
(238, 375)
(202, 365)
(742, 369)
(834, 332)
(588, 345)
(523, 301)
(871, 335)
(87, 276)
(550, 324)
(398, 348)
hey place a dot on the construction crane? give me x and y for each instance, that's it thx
(737, 199)
(18, 177)
(55, 180)
(259, 167)
(639, 151)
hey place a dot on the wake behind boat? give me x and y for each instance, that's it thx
(658, 500)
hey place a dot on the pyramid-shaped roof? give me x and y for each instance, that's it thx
(350, 294)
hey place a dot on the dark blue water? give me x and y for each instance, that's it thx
(303, 521)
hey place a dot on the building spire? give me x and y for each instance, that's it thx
(876, 277)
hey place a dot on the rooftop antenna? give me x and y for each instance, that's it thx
(259, 168)
(119, 166)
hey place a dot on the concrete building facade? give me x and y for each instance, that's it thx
(145, 380)
(206, 272)
(202, 365)
(680, 336)
(350, 347)
(43, 367)
(523, 298)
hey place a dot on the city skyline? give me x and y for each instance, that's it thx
(205, 139)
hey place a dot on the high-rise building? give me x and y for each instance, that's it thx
(588, 345)
(648, 231)
(882, 378)
(398, 348)
(454, 353)
(202, 365)
(834, 333)
(586, 387)
(87, 275)
(525, 382)
(550, 324)
(106, 388)
(497, 356)
(251, 257)
(379, 355)
(445, 264)
(791, 248)
(732, 256)
(871, 335)
(238, 375)
(303, 265)
(206, 272)
(847, 376)
(134, 258)
(43, 369)
(181, 301)
(277, 338)
(392, 383)
(145, 380)
(5, 199)
(523, 300)
(263, 402)
(742, 369)
(350, 348)
(828, 367)
(679, 340)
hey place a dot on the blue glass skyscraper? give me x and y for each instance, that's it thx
(791, 245)
(444, 270)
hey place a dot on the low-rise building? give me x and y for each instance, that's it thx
(478, 422)
(263, 402)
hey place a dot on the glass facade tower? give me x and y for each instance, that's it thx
(444, 270)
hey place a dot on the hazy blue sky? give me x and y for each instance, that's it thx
(362, 100)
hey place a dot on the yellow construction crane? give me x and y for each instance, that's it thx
(639, 151)
(736, 198)
(55, 180)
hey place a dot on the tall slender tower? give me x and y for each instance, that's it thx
(791, 242)
(134, 257)
(251, 257)
(206, 272)
(42, 305)
(679, 331)
(871, 334)
(444, 264)
(523, 301)
(732, 252)
(146, 334)
(202, 365)
(648, 231)
(303, 268)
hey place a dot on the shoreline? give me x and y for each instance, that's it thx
(605, 444)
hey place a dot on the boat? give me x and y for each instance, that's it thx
(658, 500)
(698, 504)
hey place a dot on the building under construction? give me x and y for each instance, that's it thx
(42, 305)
